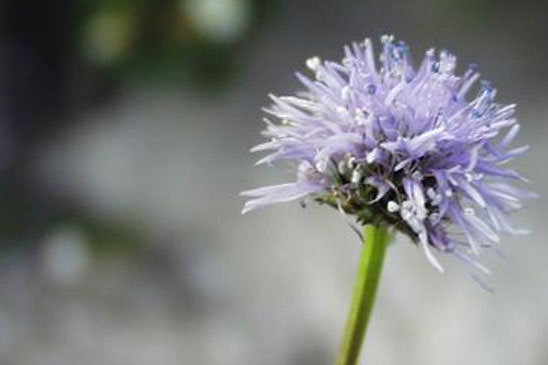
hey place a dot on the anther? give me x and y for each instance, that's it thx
(313, 63)
(356, 177)
(392, 206)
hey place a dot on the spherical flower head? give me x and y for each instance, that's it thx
(400, 146)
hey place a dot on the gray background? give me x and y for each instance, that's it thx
(206, 285)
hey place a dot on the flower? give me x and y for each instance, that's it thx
(391, 144)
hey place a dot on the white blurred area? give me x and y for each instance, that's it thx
(218, 20)
(271, 287)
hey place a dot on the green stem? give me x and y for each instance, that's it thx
(371, 259)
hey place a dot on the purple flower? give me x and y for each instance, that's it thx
(391, 144)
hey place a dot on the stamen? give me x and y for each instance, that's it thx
(434, 217)
(469, 211)
(345, 93)
(417, 175)
(392, 206)
(313, 63)
(356, 176)
(341, 167)
(321, 164)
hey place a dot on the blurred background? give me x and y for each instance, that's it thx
(124, 134)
